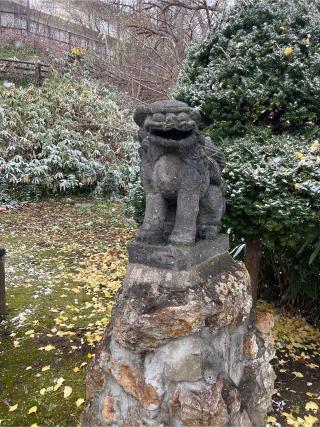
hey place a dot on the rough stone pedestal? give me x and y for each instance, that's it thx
(182, 348)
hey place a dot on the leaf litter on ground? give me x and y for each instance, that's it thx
(65, 262)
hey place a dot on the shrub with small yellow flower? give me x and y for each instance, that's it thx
(255, 79)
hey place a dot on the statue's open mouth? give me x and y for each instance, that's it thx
(173, 134)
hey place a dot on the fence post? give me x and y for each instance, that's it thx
(37, 74)
(2, 284)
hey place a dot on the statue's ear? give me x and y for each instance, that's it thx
(140, 115)
(195, 115)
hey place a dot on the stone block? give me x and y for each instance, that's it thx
(148, 315)
(189, 369)
(204, 407)
(132, 381)
(108, 411)
(264, 322)
(181, 350)
(181, 257)
(250, 346)
(236, 365)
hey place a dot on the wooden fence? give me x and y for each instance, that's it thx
(34, 70)
(24, 23)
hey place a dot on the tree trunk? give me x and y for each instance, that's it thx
(252, 261)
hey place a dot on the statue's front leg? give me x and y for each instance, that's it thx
(154, 217)
(212, 208)
(184, 232)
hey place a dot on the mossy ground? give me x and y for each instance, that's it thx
(65, 262)
(66, 259)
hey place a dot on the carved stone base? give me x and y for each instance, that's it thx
(177, 257)
(181, 350)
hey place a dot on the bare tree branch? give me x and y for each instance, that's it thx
(152, 37)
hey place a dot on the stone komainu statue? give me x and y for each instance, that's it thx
(181, 175)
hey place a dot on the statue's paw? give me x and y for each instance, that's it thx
(181, 239)
(208, 232)
(149, 236)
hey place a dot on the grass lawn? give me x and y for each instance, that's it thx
(66, 259)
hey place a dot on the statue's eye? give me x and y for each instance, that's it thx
(158, 117)
(183, 117)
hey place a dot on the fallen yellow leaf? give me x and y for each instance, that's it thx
(49, 347)
(291, 420)
(42, 391)
(76, 369)
(312, 406)
(13, 408)
(310, 420)
(297, 374)
(45, 368)
(271, 420)
(312, 365)
(33, 410)
(67, 391)
(79, 402)
(58, 384)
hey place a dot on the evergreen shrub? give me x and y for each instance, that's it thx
(256, 81)
(66, 136)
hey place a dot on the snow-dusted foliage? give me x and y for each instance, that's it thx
(65, 136)
(259, 66)
(273, 186)
(256, 82)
